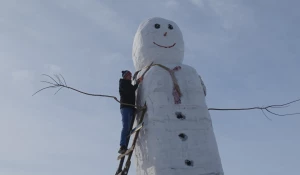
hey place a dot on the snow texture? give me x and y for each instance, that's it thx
(150, 42)
(177, 139)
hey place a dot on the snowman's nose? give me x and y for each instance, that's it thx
(165, 34)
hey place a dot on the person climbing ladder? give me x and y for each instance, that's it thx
(127, 95)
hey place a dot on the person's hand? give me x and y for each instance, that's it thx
(140, 79)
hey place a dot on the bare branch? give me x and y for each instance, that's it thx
(58, 90)
(44, 89)
(284, 104)
(265, 115)
(58, 79)
(62, 84)
(50, 77)
(63, 79)
(59, 84)
(281, 114)
(49, 83)
(280, 106)
(267, 109)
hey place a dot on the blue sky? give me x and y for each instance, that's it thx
(247, 53)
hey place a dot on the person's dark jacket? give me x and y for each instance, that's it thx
(127, 92)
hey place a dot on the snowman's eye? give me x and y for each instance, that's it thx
(157, 26)
(170, 27)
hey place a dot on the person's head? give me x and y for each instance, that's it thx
(126, 74)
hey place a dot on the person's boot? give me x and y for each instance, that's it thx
(122, 150)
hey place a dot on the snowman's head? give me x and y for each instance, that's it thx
(157, 40)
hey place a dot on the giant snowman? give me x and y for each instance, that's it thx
(177, 137)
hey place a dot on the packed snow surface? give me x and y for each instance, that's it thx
(177, 139)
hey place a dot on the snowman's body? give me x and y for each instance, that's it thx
(169, 143)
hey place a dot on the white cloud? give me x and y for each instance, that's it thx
(22, 81)
(172, 4)
(113, 58)
(197, 2)
(52, 68)
(97, 13)
(21, 75)
(232, 13)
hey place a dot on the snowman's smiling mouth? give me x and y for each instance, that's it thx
(164, 46)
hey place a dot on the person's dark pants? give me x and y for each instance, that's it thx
(127, 116)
